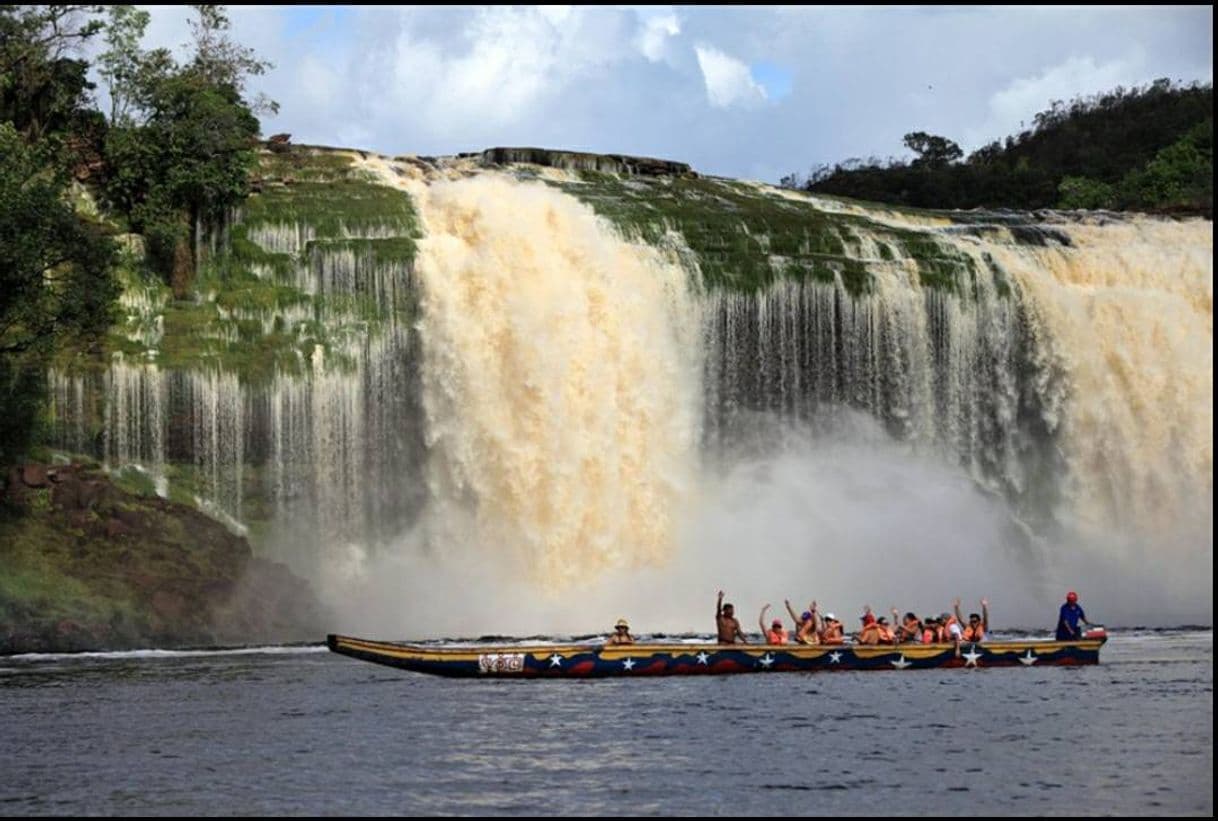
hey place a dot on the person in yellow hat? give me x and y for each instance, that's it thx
(621, 633)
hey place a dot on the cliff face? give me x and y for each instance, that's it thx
(307, 388)
(621, 164)
(88, 565)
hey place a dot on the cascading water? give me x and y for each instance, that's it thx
(560, 379)
(586, 413)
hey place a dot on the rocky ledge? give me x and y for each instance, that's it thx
(85, 565)
(582, 161)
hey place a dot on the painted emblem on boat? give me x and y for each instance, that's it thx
(501, 663)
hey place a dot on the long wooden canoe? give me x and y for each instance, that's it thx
(598, 661)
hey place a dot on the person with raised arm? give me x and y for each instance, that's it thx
(808, 631)
(726, 623)
(978, 625)
(775, 633)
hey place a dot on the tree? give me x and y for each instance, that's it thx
(123, 63)
(54, 268)
(221, 61)
(933, 151)
(184, 158)
(55, 282)
(43, 92)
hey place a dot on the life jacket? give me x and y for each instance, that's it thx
(832, 635)
(974, 634)
(947, 631)
(776, 636)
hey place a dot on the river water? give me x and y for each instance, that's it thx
(297, 730)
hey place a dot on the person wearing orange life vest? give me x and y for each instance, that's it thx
(886, 635)
(908, 630)
(776, 633)
(977, 625)
(832, 632)
(870, 632)
(932, 633)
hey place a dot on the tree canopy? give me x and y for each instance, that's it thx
(1144, 148)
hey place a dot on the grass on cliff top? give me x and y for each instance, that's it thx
(746, 238)
(325, 190)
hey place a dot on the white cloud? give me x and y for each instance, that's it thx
(436, 80)
(728, 81)
(503, 67)
(1018, 102)
(654, 36)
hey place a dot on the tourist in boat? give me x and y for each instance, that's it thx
(952, 631)
(776, 633)
(870, 632)
(932, 632)
(832, 632)
(727, 624)
(621, 633)
(908, 630)
(808, 631)
(978, 625)
(886, 634)
(1069, 617)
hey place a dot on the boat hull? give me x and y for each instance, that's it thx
(596, 661)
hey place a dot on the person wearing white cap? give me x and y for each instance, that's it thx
(832, 632)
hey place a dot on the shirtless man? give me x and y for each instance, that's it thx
(727, 624)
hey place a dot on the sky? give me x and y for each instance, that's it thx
(750, 92)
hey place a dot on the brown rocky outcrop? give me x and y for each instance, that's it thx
(108, 569)
(583, 161)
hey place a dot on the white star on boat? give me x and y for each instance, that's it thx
(703, 658)
(628, 664)
(766, 661)
(901, 663)
(1028, 660)
(556, 660)
(971, 657)
(835, 658)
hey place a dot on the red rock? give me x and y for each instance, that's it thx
(34, 475)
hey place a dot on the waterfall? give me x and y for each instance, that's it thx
(560, 379)
(547, 388)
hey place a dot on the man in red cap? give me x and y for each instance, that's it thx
(1068, 620)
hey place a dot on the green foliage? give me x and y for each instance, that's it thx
(933, 151)
(54, 269)
(44, 93)
(1078, 154)
(184, 160)
(123, 65)
(222, 62)
(1080, 192)
(22, 388)
(746, 238)
(1180, 177)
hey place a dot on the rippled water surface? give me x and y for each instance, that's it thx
(299, 730)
